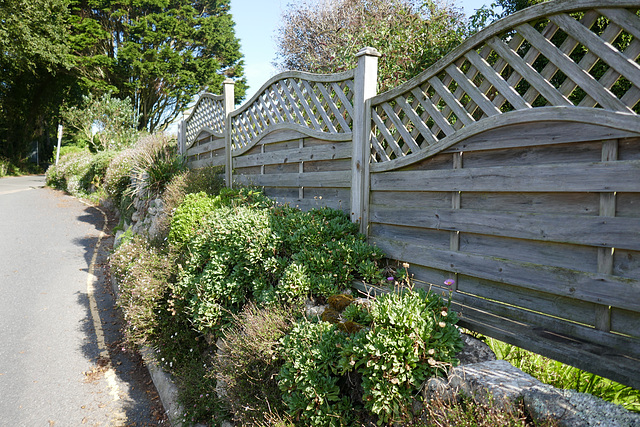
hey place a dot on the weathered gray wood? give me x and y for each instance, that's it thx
(470, 89)
(320, 179)
(364, 88)
(626, 264)
(582, 353)
(572, 70)
(542, 133)
(580, 230)
(330, 152)
(216, 161)
(546, 154)
(451, 101)
(588, 287)
(629, 69)
(326, 165)
(575, 257)
(625, 322)
(545, 88)
(623, 176)
(550, 203)
(216, 144)
(609, 119)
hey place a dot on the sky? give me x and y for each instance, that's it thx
(256, 23)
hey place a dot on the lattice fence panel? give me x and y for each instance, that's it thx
(207, 113)
(324, 106)
(587, 59)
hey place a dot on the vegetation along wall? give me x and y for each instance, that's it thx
(512, 166)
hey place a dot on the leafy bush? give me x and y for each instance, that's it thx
(208, 179)
(261, 252)
(188, 216)
(228, 258)
(411, 337)
(250, 360)
(309, 379)
(70, 171)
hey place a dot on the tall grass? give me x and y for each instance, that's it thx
(564, 376)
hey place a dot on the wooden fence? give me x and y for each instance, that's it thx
(512, 166)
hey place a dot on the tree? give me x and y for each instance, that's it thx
(159, 53)
(500, 9)
(411, 35)
(33, 54)
(104, 123)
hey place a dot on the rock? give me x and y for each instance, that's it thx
(135, 217)
(474, 351)
(570, 408)
(312, 310)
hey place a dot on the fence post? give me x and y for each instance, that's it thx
(229, 104)
(365, 83)
(182, 143)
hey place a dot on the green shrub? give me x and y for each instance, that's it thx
(118, 175)
(410, 337)
(309, 379)
(208, 179)
(69, 173)
(188, 216)
(250, 360)
(227, 263)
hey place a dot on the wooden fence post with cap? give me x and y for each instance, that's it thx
(229, 104)
(365, 87)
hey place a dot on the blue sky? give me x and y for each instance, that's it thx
(256, 23)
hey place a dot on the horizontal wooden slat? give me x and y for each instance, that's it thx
(541, 133)
(596, 288)
(326, 152)
(319, 179)
(594, 356)
(215, 161)
(217, 144)
(581, 230)
(598, 176)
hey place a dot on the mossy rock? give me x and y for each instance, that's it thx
(330, 315)
(339, 302)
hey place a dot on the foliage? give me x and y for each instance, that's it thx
(118, 175)
(247, 249)
(227, 262)
(207, 179)
(71, 169)
(156, 163)
(410, 337)
(158, 54)
(142, 273)
(188, 216)
(497, 10)
(112, 120)
(33, 60)
(564, 376)
(411, 35)
(308, 378)
(13, 167)
(249, 361)
(468, 412)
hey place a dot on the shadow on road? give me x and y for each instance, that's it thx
(140, 400)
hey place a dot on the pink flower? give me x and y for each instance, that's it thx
(449, 282)
(390, 278)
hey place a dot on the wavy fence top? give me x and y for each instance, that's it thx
(208, 113)
(567, 53)
(319, 104)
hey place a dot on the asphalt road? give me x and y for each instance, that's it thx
(62, 362)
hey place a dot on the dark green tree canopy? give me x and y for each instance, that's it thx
(159, 53)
